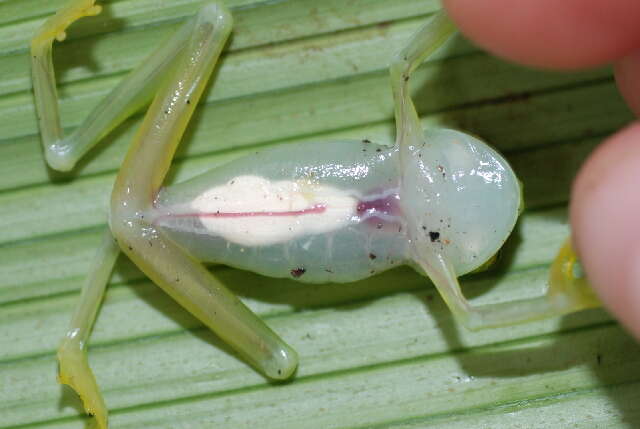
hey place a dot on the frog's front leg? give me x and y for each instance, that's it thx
(138, 184)
(568, 292)
(460, 201)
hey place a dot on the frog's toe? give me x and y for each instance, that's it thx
(74, 371)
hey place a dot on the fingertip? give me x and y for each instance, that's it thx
(604, 219)
(565, 34)
(627, 72)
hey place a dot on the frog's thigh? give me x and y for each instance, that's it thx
(136, 188)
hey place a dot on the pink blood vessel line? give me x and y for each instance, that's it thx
(316, 209)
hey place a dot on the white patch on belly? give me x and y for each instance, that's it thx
(253, 211)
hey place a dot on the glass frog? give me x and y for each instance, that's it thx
(439, 200)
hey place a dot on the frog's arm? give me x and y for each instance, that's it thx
(133, 92)
(437, 30)
(136, 189)
(567, 293)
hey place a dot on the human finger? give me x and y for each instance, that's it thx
(564, 34)
(627, 72)
(604, 218)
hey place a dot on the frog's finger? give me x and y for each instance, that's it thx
(568, 285)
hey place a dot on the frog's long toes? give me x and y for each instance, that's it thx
(73, 12)
(74, 371)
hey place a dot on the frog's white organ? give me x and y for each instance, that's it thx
(254, 211)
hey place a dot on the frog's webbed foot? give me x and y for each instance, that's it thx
(568, 287)
(74, 371)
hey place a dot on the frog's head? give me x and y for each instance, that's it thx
(459, 197)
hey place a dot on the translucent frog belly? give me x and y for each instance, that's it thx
(324, 222)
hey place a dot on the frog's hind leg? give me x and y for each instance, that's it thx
(74, 368)
(134, 91)
(138, 183)
(567, 293)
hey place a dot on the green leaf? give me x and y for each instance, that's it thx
(383, 352)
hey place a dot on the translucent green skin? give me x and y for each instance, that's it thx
(448, 201)
(466, 206)
(357, 250)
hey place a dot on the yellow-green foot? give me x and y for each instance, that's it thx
(74, 371)
(56, 26)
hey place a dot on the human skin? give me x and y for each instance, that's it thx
(605, 201)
